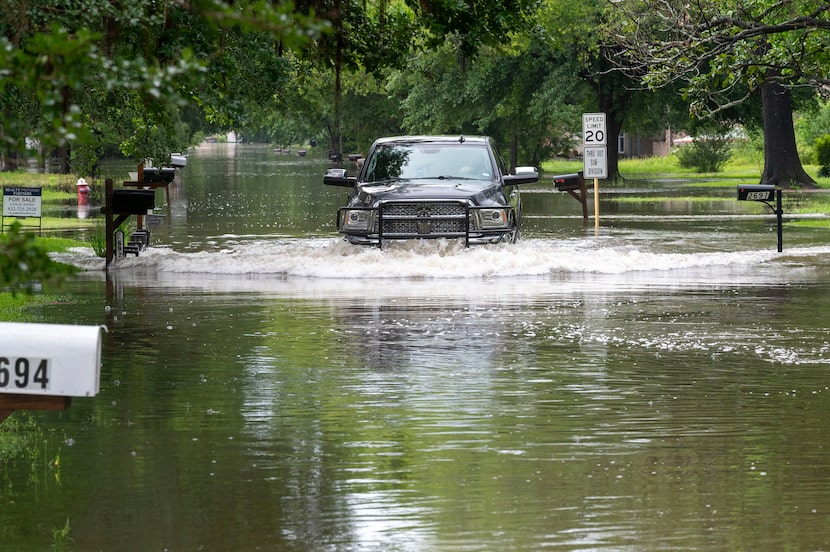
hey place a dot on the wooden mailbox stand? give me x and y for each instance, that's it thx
(116, 212)
(574, 184)
(9, 403)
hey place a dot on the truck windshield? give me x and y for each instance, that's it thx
(429, 161)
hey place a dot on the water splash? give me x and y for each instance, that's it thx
(434, 259)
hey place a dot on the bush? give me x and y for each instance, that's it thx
(705, 154)
(98, 237)
(22, 263)
(20, 438)
(822, 146)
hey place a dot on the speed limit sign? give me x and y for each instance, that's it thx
(594, 153)
(593, 129)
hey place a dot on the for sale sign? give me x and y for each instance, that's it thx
(21, 202)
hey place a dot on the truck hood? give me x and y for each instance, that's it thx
(478, 192)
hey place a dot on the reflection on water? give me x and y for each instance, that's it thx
(639, 389)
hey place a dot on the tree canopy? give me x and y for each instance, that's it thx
(143, 60)
(723, 53)
(87, 78)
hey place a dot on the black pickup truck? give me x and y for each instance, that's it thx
(426, 187)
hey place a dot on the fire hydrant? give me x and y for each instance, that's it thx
(83, 190)
(83, 198)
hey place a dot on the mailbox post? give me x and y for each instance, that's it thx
(138, 201)
(121, 204)
(112, 220)
(574, 184)
(43, 365)
(765, 193)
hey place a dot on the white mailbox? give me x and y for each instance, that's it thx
(50, 359)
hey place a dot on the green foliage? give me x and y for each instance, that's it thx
(61, 539)
(705, 155)
(90, 75)
(150, 77)
(372, 37)
(98, 240)
(573, 32)
(472, 24)
(721, 52)
(22, 263)
(822, 146)
(20, 438)
(63, 71)
(368, 112)
(727, 54)
(522, 95)
(812, 123)
(98, 237)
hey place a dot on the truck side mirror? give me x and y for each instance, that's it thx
(522, 175)
(337, 177)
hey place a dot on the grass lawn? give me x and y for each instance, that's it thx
(746, 168)
(22, 305)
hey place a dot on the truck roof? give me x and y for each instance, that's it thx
(445, 139)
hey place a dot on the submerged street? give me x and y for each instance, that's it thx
(657, 384)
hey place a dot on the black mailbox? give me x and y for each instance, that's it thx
(133, 202)
(756, 192)
(765, 193)
(565, 182)
(165, 175)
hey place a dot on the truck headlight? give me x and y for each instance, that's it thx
(493, 218)
(356, 219)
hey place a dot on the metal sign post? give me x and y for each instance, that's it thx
(594, 153)
(765, 193)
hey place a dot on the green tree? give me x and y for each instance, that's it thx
(520, 95)
(368, 110)
(722, 53)
(571, 29)
(472, 23)
(812, 123)
(367, 37)
(370, 37)
(59, 60)
(822, 146)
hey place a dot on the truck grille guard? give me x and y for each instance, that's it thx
(426, 219)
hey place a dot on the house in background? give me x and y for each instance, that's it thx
(638, 146)
(635, 146)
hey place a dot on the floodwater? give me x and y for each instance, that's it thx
(658, 383)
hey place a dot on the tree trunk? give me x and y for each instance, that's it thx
(614, 126)
(63, 153)
(60, 159)
(614, 115)
(514, 151)
(340, 46)
(782, 165)
(337, 140)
